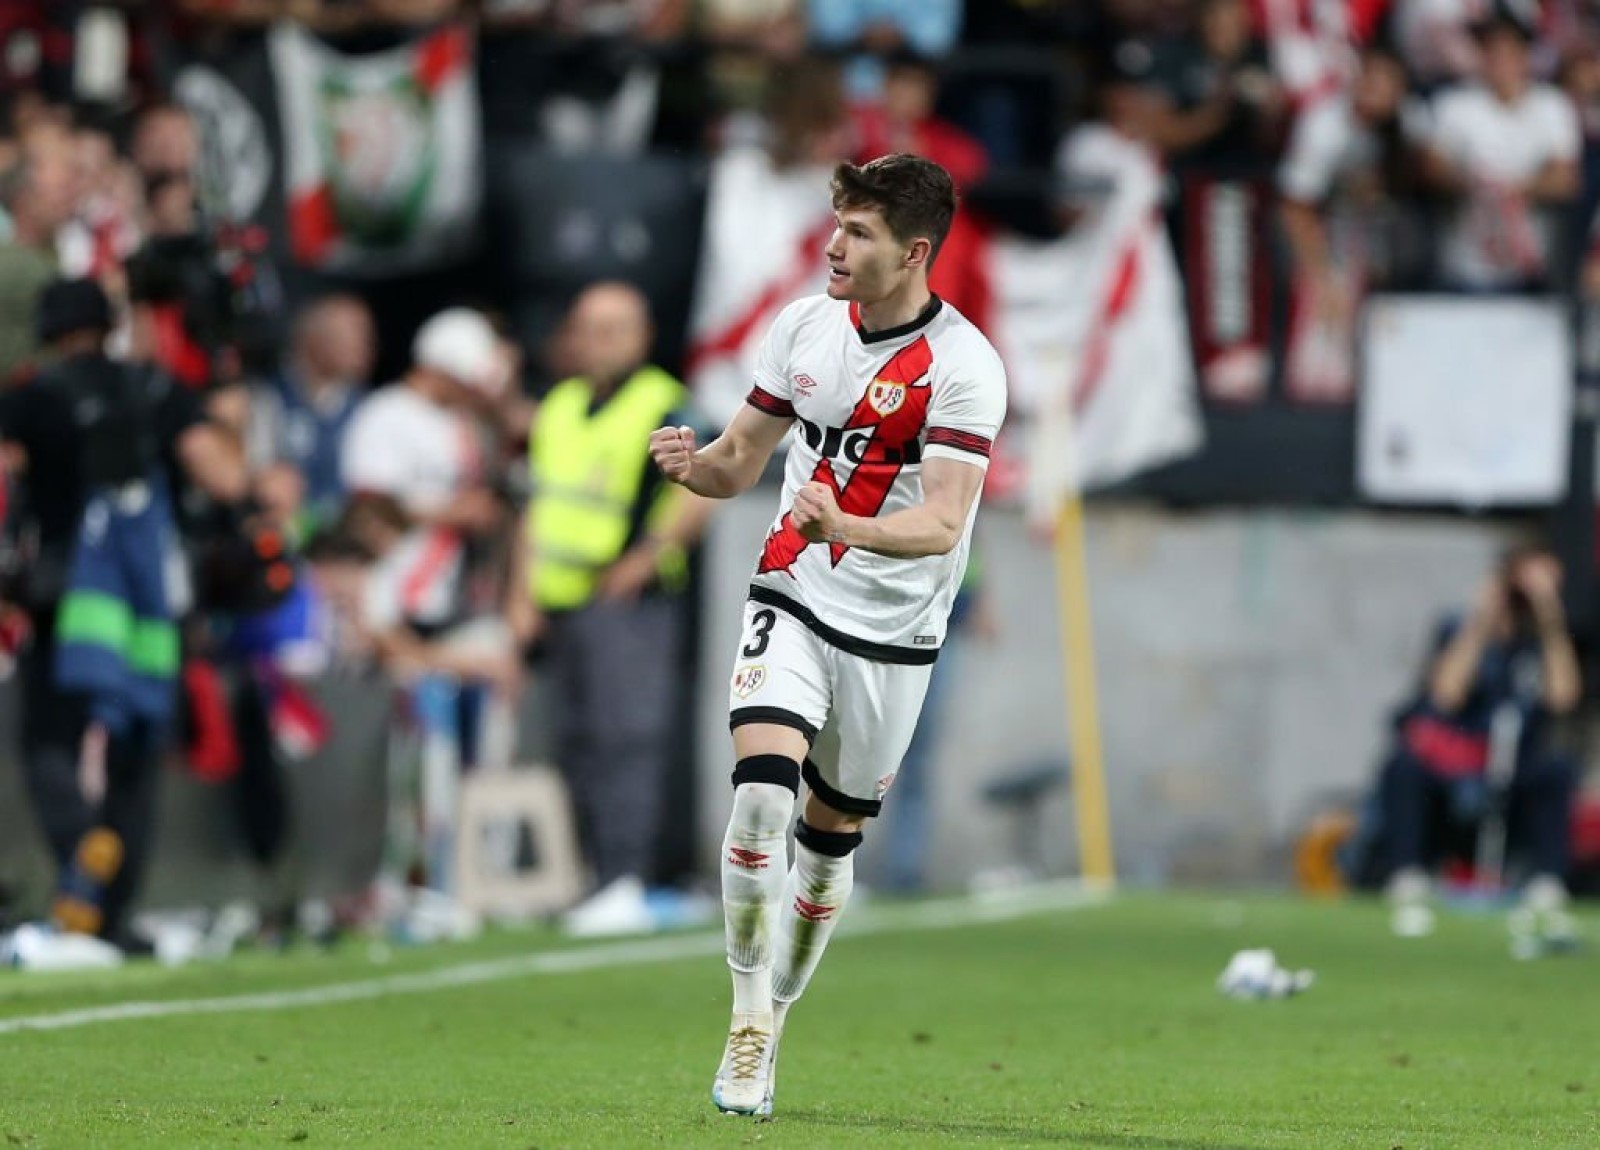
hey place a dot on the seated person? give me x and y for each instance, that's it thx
(1481, 736)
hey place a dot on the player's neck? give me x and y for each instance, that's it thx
(896, 310)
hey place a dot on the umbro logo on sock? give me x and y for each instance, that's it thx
(813, 912)
(750, 860)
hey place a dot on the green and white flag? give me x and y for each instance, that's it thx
(382, 151)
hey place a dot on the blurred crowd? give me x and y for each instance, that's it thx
(388, 463)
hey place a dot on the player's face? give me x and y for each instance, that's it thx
(865, 262)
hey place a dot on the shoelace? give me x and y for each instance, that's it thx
(746, 1048)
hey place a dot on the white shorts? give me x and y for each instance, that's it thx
(858, 714)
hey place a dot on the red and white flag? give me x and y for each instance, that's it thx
(1093, 330)
(382, 151)
(765, 229)
(1091, 326)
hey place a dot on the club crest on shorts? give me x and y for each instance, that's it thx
(883, 784)
(748, 680)
(886, 397)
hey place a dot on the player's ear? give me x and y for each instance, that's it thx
(917, 255)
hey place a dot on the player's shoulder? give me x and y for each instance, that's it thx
(810, 310)
(960, 346)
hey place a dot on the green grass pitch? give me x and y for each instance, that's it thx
(1095, 1027)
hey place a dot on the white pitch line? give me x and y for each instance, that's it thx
(936, 915)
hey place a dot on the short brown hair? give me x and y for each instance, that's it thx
(915, 197)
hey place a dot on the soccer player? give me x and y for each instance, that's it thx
(896, 399)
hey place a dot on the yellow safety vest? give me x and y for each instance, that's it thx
(587, 473)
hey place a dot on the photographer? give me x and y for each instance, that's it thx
(1499, 681)
(97, 440)
(203, 294)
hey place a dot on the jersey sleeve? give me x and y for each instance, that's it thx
(968, 406)
(772, 391)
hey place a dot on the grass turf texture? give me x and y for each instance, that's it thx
(1095, 1028)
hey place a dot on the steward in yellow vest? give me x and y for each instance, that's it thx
(595, 493)
(604, 557)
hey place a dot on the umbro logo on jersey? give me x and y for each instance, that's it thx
(813, 912)
(804, 384)
(749, 860)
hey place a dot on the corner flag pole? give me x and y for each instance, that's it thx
(1060, 480)
(1083, 704)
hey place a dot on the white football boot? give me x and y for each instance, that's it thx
(744, 1080)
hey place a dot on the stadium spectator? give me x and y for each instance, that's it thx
(772, 28)
(1580, 80)
(1344, 163)
(1220, 102)
(416, 441)
(875, 28)
(1506, 152)
(904, 120)
(300, 413)
(97, 438)
(600, 586)
(36, 194)
(1498, 682)
(767, 219)
(104, 232)
(181, 314)
(1013, 83)
(1436, 39)
(376, 535)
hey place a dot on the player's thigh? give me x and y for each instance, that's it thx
(781, 687)
(875, 711)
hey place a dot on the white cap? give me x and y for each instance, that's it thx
(460, 343)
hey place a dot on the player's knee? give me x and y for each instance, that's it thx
(764, 790)
(770, 770)
(833, 844)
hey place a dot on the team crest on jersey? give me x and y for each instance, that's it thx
(886, 397)
(748, 680)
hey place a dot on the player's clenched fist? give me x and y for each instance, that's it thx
(816, 513)
(673, 450)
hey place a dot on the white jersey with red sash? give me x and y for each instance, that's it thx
(870, 408)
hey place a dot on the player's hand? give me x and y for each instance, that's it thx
(816, 513)
(672, 448)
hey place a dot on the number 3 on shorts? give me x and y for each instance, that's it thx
(760, 633)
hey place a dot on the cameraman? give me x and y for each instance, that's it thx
(1499, 681)
(97, 439)
(202, 292)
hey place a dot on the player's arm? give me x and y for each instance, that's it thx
(729, 464)
(932, 527)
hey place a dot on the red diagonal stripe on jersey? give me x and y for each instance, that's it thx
(813, 912)
(874, 476)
